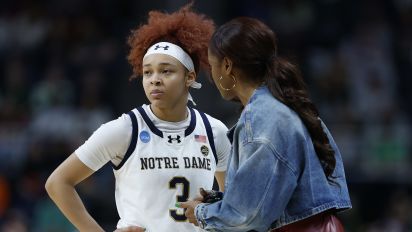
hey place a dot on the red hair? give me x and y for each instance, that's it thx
(185, 28)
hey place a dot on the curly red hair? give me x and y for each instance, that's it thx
(190, 30)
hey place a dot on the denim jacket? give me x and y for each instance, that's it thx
(274, 176)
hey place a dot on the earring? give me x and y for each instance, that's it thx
(227, 89)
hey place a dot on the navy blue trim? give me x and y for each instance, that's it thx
(209, 134)
(149, 122)
(133, 141)
(192, 124)
(230, 133)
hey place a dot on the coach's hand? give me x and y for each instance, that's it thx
(190, 208)
(131, 229)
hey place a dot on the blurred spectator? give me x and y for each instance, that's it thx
(398, 217)
(47, 217)
(14, 115)
(368, 62)
(15, 221)
(4, 196)
(54, 91)
(14, 90)
(387, 149)
(292, 19)
(403, 47)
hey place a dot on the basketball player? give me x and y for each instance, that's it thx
(161, 153)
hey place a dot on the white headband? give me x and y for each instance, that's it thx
(178, 53)
(174, 51)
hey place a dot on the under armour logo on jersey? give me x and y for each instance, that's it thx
(177, 139)
(164, 47)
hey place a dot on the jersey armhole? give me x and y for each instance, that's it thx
(133, 141)
(209, 133)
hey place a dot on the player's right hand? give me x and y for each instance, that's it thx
(131, 229)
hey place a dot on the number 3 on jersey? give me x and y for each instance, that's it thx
(180, 217)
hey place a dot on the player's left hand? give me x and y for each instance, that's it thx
(190, 208)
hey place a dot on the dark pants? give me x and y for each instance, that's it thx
(323, 222)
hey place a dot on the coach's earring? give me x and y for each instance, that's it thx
(227, 89)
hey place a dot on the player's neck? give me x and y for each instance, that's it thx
(172, 114)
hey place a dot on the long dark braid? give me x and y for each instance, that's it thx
(285, 82)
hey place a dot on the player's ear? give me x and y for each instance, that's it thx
(191, 77)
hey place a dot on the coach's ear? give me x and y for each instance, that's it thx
(227, 66)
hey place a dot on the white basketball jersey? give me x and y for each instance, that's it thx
(160, 169)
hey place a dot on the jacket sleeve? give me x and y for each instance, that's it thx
(256, 195)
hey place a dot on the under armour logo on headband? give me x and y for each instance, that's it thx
(164, 47)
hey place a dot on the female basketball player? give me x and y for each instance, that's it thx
(163, 152)
(285, 171)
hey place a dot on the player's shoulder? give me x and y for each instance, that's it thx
(119, 124)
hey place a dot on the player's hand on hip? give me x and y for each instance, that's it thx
(190, 209)
(131, 229)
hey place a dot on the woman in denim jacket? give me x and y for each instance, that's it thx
(285, 171)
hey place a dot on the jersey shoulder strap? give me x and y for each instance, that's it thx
(133, 141)
(209, 133)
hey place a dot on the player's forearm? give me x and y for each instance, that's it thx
(220, 177)
(69, 202)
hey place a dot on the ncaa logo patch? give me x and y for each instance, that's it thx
(144, 136)
(204, 150)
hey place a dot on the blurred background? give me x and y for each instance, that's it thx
(63, 72)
